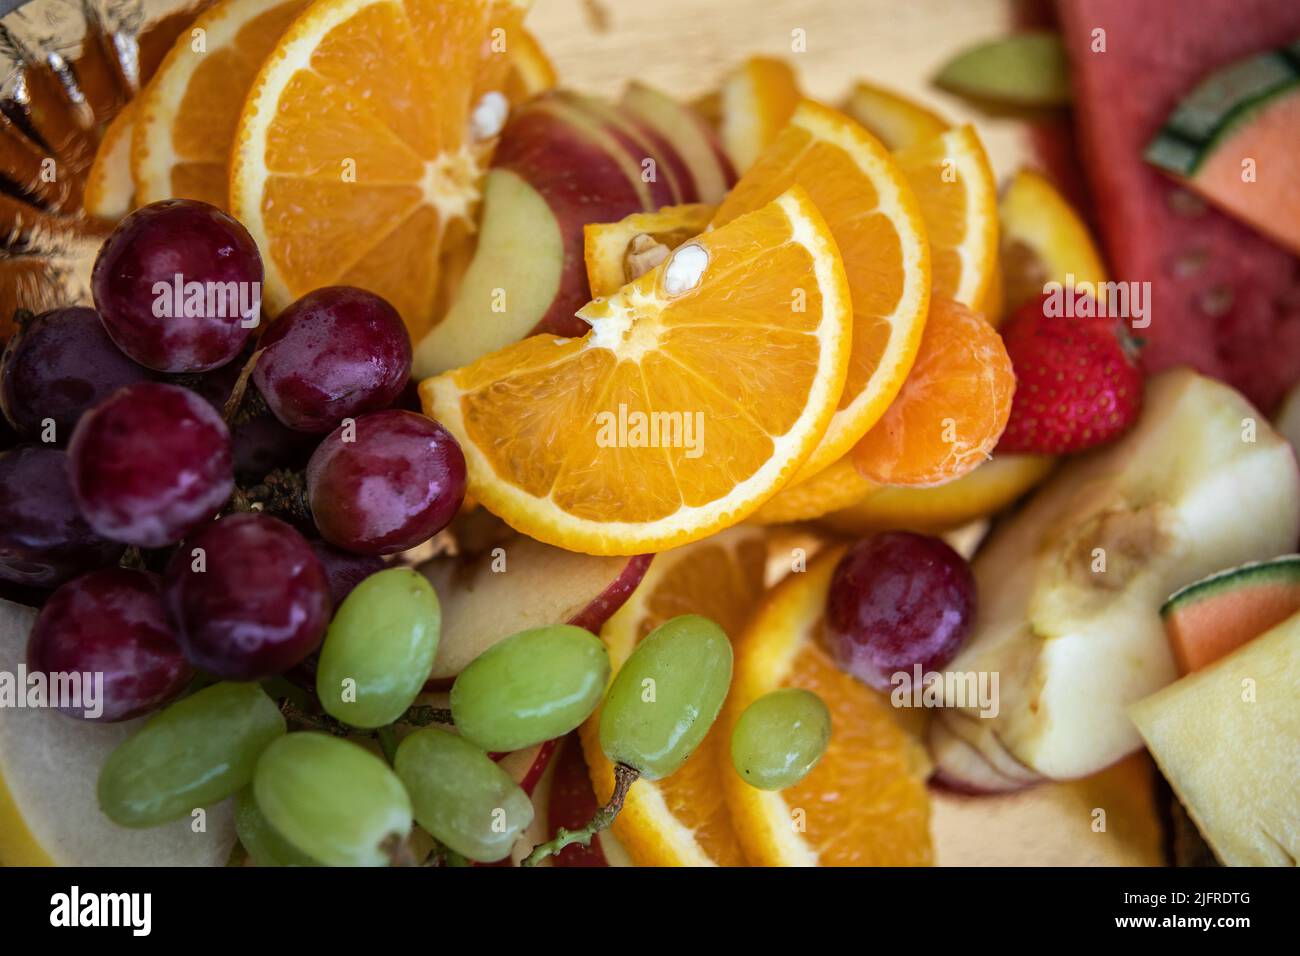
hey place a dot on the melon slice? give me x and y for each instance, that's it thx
(1227, 739)
(1234, 138)
(1214, 616)
(49, 765)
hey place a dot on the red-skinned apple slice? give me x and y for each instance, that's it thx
(693, 138)
(519, 585)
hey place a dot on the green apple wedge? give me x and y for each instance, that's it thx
(1227, 738)
(49, 765)
(1071, 586)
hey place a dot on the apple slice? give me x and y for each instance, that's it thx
(49, 770)
(520, 585)
(1070, 588)
(961, 767)
(694, 139)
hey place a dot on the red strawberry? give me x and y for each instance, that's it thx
(1077, 385)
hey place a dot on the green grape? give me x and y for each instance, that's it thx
(461, 796)
(533, 686)
(379, 648)
(333, 800)
(260, 839)
(666, 697)
(194, 753)
(780, 737)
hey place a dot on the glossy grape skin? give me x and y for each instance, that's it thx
(896, 600)
(195, 753)
(780, 737)
(259, 606)
(533, 686)
(112, 622)
(688, 660)
(44, 540)
(59, 365)
(331, 799)
(459, 793)
(137, 267)
(382, 642)
(336, 353)
(343, 569)
(151, 463)
(394, 486)
(260, 840)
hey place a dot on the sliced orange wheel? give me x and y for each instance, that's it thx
(757, 100)
(531, 70)
(109, 191)
(892, 118)
(187, 113)
(877, 224)
(698, 393)
(865, 802)
(351, 167)
(1043, 240)
(954, 183)
(952, 409)
(616, 251)
(836, 486)
(681, 820)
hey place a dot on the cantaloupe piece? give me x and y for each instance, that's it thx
(49, 765)
(1212, 617)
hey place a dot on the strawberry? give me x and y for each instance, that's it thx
(1077, 385)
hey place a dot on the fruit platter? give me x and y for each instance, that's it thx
(449, 433)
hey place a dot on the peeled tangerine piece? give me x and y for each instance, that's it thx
(1228, 740)
(1070, 589)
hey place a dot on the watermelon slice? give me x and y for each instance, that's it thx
(1214, 616)
(1234, 140)
(1224, 298)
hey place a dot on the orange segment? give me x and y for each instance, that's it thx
(109, 191)
(698, 393)
(836, 486)
(952, 409)
(877, 224)
(681, 820)
(362, 144)
(758, 98)
(954, 183)
(865, 803)
(607, 245)
(895, 120)
(187, 113)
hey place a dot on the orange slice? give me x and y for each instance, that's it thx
(682, 819)
(876, 222)
(531, 70)
(1043, 240)
(952, 409)
(700, 390)
(985, 491)
(187, 113)
(607, 246)
(895, 120)
(836, 486)
(953, 180)
(865, 803)
(109, 191)
(758, 98)
(361, 146)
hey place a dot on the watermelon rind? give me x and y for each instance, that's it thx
(1222, 102)
(1283, 569)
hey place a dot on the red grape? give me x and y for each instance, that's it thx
(387, 483)
(112, 622)
(343, 569)
(248, 597)
(150, 464)
(44, 540)
(58, 365)
(896, 600)
(336, 353)
(198, 248)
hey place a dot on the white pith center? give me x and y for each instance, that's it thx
(451, 184)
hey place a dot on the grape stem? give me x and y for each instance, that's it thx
(244, 404)
(282, 493)
(624, 777)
